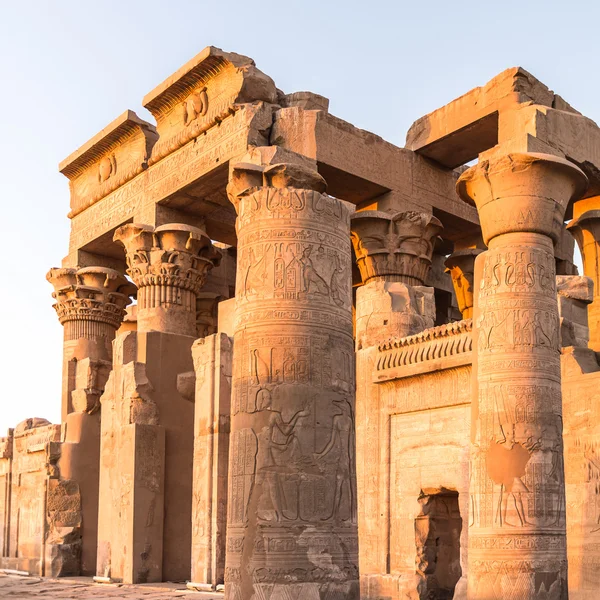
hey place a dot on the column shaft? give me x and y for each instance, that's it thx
(517, 534)
(292, 525)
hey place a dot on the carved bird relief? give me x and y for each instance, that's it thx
(196, 105)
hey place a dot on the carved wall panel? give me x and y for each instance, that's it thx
(411, 434)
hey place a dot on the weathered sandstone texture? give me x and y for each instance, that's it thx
(301, 363)
(291, 528)
(517, 469)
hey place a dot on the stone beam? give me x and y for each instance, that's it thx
(192, 180)
(457, 132)
(513, 112)
(110, 159)
(202, 94)
(362, 168)
(211, 110)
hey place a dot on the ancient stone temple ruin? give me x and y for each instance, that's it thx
(306, 364)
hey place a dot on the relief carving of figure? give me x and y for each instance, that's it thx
(506, 463)
(341, 442)
(256, 273)
(278, 454)
(311, 280)
(338, 283)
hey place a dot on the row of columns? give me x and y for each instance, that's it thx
(292, 488)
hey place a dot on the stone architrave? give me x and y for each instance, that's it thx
(517, 537)
(90, 304)
(461, 265)
(292, 529)
(144, 532)
(586, 231)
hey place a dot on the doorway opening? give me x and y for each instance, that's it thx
(437, 538)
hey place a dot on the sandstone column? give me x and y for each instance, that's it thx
(517, 537)
(292, 529)
(144, 525)
(461, 265)
(90, 303)
(394, 255)
(586, 231)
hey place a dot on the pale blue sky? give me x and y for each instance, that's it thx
(68, 67)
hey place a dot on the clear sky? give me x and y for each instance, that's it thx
(69, 67)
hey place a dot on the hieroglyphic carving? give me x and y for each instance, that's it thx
(292, 442)
(517, 471)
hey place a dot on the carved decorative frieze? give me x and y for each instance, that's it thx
(109, 160)
(169, 265)
(517, 482)
(436, 348)
(460, 265)
(395, 246)
(89, 300)
(202, 94)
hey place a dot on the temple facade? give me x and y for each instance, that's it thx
(302, 363)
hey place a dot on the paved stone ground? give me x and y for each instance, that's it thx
(16, 587)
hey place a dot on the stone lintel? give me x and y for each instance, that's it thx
(191, 180)
(111, 158)
(364, 169)
(203, 93)
(457, 132)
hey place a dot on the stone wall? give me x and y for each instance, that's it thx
(413, 459)
(31, 480)
(581, 411)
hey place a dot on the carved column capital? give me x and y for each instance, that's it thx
(461, 265)
(394, 246)
(521, 192)
(88, 296)
(169, 265)
(586, 231)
